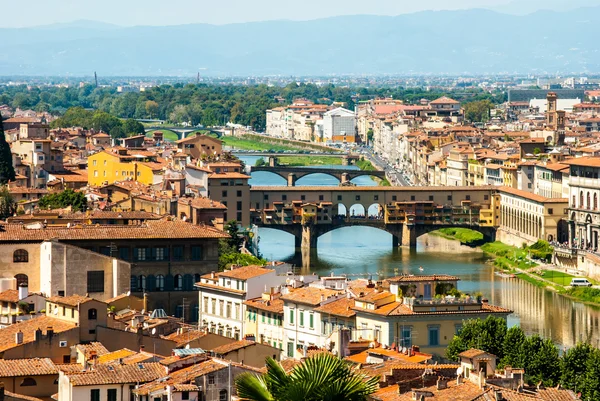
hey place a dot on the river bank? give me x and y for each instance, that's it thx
(518, 262)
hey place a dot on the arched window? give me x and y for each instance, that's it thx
(589, 203)
(142, 283)
(92, 314)
(581, 199)
(223, 395)
(21, 256)
(595, 201)
(28, 382)
(178, 282)
(574, 203)
(160, 282)
(22, 280)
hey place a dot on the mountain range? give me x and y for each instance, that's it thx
(472, 41)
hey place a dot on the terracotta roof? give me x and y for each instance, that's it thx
(28, 328)
(233, 346)
(202, 203)
(158, 229)
(10, 396)
(444, 100)
(228, 175)
(466, 391)
(246, 272)
(309, 295)
(472, 353)
(72, 300)
(412, 279)
(69, 367)
(27, 367)
(584, 161)
(531, 196)
(115, 355)
(403, 310)
(94, 347)
(274, 305)
(9, 296)
(118, 374)
(184, 338)
(341, 307)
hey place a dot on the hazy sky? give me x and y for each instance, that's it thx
(172, 12)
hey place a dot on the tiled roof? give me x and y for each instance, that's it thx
(94, 347)
(466, 391)
(10, 396)
(246, 272)
(584, 161)
(71, 300)
(273, 305)
(28, 328)
(531, 196)
(9, 296)
(27, 367)
(185, 338)
(158, 229)
(118, 374)
(233, 346)
(115, 355)
(69, 367)
(472, 353)
(444, 100)
(309, 295)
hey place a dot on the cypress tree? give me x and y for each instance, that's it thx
(7, 171)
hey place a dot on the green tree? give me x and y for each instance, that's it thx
(537, 151)
(478, 111)
(512, 346)
(151, 108)
(68, 197)
(8, 206)
(322, 377)
(591, 383)
(573, 365)
(542, 363)
(7, 171)
(132, 127)
(487, 335)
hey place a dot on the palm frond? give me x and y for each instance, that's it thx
(251, 387)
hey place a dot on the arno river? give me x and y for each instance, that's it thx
(363, 250)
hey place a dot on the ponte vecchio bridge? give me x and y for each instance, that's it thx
(404, 212)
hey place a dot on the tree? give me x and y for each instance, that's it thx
(229, 249)
(7, 203)
(537, 151)
(573, 366)
(7, 171)
(542, 363)
(322, 377)
(68, 197)
(513, 343)
(151, 108)
(478, 111)
(132, 127)
(487, 335)
(591, 382)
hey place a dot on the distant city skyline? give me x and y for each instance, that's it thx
(175, 12)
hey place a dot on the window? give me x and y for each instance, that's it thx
(284, 197)
(301, 318)
(434, 336)
(160, 282)
(290, 349)
(357, 197)
(468, 197)
(550, 211)
(111, 394)
(311, 321)
(376, 197)
(178, 282)
(239, 205)
(321, 197)
(291, 316)
(28, 382)
(92, 314)
(339, 197)
(93, 162)
(95, 394)
(449, 197)
(223, 395)
(262, 314)
(430, 197)
(185, 395)
(124, 253)
(412, 197)
(140, 254)
(142, 283)
(394, 197)
(406, 337)
(178, 253)
(224, 194)
(302, 197)
(66, 359)
(161, 253)
(22, 280)
(485, 197)
(238, 194)
(95, 281)
(211, 379)
(196, 252)
(21, 256)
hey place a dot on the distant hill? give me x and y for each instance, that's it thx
(453, 42)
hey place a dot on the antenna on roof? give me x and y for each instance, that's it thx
(96, 78)
(198, 78)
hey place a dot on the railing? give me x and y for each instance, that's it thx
(441, 301)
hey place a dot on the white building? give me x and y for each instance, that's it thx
(196, 179)
(339, 125)
(222, 296)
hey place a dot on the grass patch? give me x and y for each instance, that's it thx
(309, 160)
(200, 131)
(250, 144)
(365, 165)
(512, 256)
(464, 235)
(585, 294)
(532, 280)
(167, 135)
(557, 277)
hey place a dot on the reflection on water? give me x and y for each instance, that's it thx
(360, 251)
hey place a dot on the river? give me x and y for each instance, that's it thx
(366, 250)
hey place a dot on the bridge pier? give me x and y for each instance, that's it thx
(345, 160)
(409, 235)
(344, 178)
(291, 180)
(273, 162)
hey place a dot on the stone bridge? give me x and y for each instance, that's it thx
(180, 131)
(291, 174)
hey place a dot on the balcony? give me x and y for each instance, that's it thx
(584, 182)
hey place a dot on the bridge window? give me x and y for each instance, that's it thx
(239, 194)
(224, 194)
(283, 197)
(449, 197)
(412, 197)
(486, 197)
(320, 197)
(376, 197)
(266, 197)
(357, 197)
(394, 197)
(303, 197)
(339, 197)
(430, 197)
(468, 197)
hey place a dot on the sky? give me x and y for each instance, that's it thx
(175, 12)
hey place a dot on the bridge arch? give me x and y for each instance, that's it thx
(375, 211)
(358, 211)
(316, 175)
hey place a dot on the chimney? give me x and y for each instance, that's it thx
(441, 384)
(49, 332)
(19, 337)
(498, 395)
(145, 302)
(459, 380)
(37, 336)
(23, 291)
(142, 347)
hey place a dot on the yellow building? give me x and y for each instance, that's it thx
(120, 164)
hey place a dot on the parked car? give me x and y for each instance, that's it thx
(580, 282)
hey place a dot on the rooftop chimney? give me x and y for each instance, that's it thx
(23, 291)
(37, 336)
(49, 332)
(19, 337)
